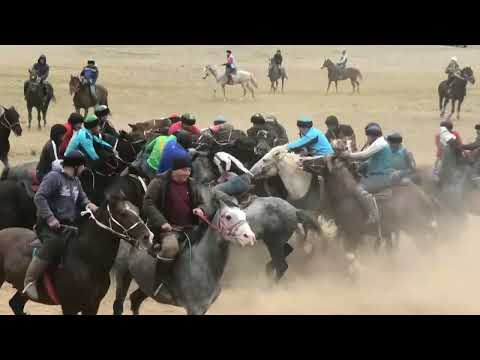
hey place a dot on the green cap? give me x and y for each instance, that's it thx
(90, 118)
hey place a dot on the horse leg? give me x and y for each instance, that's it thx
(353, 86)
(440, 103)
(17, 303)
(276, 248)
(122, 281)
(453, 109)
(458, 108)
(39, 118)
(136, 299)
(29, 108)
(244, 90)
(328, 87)
(336, 86)
(251, 91)
(283, 79)
(91, 309)
(44, 114)
(358, 86)
(224, 96)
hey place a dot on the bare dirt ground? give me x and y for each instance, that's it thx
(399, 90)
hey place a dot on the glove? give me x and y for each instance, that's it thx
(92, 207)
(166, 227)
(53, 223)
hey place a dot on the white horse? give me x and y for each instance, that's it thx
(243, 78)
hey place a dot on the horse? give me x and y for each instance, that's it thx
(349, 73)
(155, 125)
(36, 98)
(83, 279)
(276, 72)
(407, 208)
(18, 209)
(82, 99)
(276, 225)
(9, 121)
(194, 283)
(242, 78)
(456, 92)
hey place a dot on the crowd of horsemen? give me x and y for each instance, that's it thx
(172, 198)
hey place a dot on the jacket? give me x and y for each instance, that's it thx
(341, 131)
(440, 145)
(274, 129)
(277, 59)
(315, 141)
(91, 73)
(61, 196)
(83, 141)
(403, 161)
(42, 70)
(378, 156)
(178, 126)
(171, 150)
(49, 154)
(155, 148)
(154, 202)
(67, 138)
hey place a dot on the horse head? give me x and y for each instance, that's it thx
(327, 64)
(263, 145)
(123, 219)
(208, 70)
(11, 120)
(231, 221)
(467, 73)
(267, 166)
(74, 84)
(32, 75)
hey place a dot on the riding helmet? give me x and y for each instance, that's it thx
(395, 138)
(90, 122)
(75, 118)
(305, 121)
(373, 130)
(447, 124)
(331, 121)
(102, 110)
(75, 158)
(188, 119)
(257, 119)
(219, 120)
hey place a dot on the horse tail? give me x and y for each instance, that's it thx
(254, 82)
(308, 222)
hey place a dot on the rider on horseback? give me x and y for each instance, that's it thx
(377, 159)
(219, 120)
(342, 63)
(41, 70)
(89, 76)
(403, 163)
(102, 112)
(230, 67)
(453, 69)
(49, 158)
(312, 141)
(85, 140)
(449, 126)
(278, 59)
(58, 200)
(339, 131)
(272, 126)
(172, 199)
(451, 168)
(74, 123)
(148, 160)
(175, 149)
(187, 123)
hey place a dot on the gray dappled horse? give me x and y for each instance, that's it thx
(242, 78)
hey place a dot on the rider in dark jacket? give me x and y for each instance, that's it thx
(277, 58)
(42, 70)
(58, 200)
(339, 131)
(51, 151)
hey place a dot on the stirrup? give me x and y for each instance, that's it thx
(29, 285)
(155, 293)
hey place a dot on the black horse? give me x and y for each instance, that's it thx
(9, 121)
(456, 92)
(36, 98)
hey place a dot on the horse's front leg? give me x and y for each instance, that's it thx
(336, 86)
(328, 87)
(39, 118)
(29, 108)
(224, 96)
(283, 79)
(453, 109)
(244, 91)
(459, 106)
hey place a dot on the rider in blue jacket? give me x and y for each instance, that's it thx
(85, 138)
(90, 74)
(311, 139)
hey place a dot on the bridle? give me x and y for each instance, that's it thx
(6, 123)
(124, 234)
(221, 226)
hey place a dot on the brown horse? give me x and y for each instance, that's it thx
(84, 277)
(349, 73)
(455, 92)
(82, 99)
(406, 209)
(36, 98)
